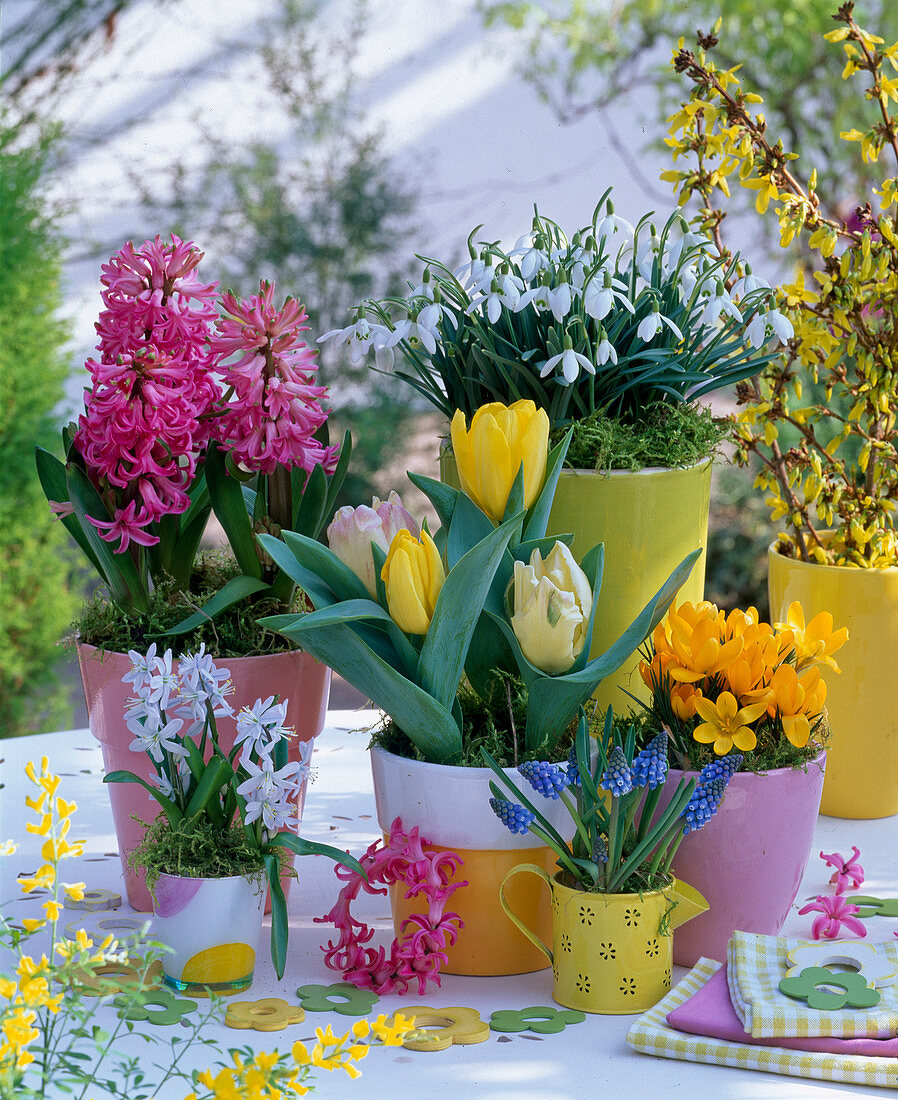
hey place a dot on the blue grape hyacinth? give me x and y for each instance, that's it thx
(723, 768)
(649, 767)
(515, 818)
(617, 777)
(573, 770)
(548, 779)
(703, 805)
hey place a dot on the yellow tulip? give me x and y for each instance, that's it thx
(490, 453)
(552, 604)
(413, 575)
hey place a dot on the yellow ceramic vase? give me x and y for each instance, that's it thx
(862, 700)
(649, 521)
(611, 953)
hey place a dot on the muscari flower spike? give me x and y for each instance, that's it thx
(724, 767)
(617, 777)
(573, 770)
(548, 779)
(703, 805)
(600, 850)
(515, 818)
(649, 767)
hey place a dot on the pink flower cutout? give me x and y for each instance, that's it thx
(848, 871)
(835, 912)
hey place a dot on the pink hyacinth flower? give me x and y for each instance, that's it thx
(275, 408)
(848, 871)
(835, 912)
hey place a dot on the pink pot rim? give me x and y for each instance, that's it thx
(819, 759)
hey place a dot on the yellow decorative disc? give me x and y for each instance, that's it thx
(225, 962)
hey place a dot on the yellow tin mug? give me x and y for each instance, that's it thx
(611, 953)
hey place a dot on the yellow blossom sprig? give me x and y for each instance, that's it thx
(732, 681)
(829, 467)
(43, 1012)
(271, 1075)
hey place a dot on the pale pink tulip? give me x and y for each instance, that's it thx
(353, 530)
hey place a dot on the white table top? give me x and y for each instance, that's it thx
(586, 1060)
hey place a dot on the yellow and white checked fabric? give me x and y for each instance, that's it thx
(755, 966)
(651, 1034)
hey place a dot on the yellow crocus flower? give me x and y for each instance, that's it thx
(726, 724)
(816, 642)
(500, 440)
(413, 574)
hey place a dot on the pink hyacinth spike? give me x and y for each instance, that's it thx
(835, 912)
(848, 872)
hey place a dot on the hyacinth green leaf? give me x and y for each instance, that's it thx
(229, 505)
(51, 474)
(554, 699)
(171, 811)
(233, 592)
(334, 483)
(217, 772)
(538, 517)
(187, 543)
(312, 497)
(125, 584)
(593, 565)
(324, 563)
(428, 724)
(314, 587)
(303, 847)
(457, 610)
(443, 497)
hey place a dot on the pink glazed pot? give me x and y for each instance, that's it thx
(297, 677)
(749, 860)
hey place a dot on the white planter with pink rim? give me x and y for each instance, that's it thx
(299, 678)
(212, 926)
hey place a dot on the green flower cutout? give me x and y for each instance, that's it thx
(869, 906)
(856, 993)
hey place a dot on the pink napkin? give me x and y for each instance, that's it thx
(710, 1012)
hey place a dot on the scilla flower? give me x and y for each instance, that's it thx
(552, 602)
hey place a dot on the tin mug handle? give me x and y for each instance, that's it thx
(516, 920)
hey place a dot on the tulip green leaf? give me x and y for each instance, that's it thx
(457, 610)
(443, 497)
(538, 518)
(321, 561)
(430, 726)
(127, 588)
(469, 527)
(314, 587)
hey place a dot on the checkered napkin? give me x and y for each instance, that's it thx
(755, 966)
(651, 1034)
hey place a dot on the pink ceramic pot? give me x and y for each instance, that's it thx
(297, 677)
(749, 860)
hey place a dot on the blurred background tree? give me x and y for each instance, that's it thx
(323, 212)
(38, 596)
(581, 56)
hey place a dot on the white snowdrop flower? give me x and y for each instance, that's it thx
(538, 297)
(414, 334)
(717, 303)
(600, 295)
(757, 332)
(532, 261)
(560, 301)
(650, 325)
(612, 224)
(570, 362)
(605, 351)
(359, 338)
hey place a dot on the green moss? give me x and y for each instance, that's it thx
(234, 633)
(663, 435)
(196, 849)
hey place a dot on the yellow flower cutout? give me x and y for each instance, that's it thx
(726, 724)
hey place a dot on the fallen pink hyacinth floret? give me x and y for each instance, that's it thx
(848, 872)
(835, 912)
